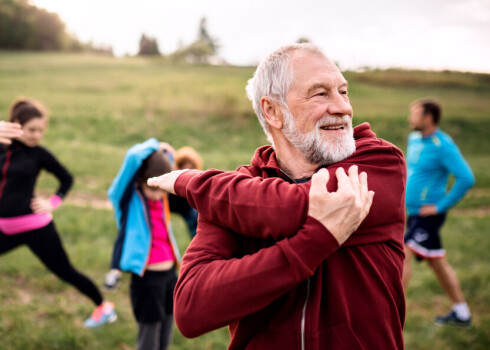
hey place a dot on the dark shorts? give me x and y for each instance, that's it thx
(422, 236)
(152, 295)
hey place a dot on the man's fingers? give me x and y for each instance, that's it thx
(159, 181)
(363, 181)
(152, 181)
(343, 181)
(363, 185)
(166, 182)
(319, 181)
(354, 177)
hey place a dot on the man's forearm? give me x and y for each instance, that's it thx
(252, 206)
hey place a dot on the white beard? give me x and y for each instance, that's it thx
(311, 144)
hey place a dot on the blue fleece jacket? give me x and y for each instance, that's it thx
(430, 162)
(133, 244)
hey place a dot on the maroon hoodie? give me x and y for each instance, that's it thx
(276, 276)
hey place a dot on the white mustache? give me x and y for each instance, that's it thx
(328, 121)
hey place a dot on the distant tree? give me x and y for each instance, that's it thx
(24, 26)
(148, 46)
(204, 37)
(202, 49)
(49, 31)
(199, 52)
(303, 40)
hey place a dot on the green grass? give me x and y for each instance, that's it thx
(100, 106)
(465, 239)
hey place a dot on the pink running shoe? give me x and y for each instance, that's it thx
(104, 313)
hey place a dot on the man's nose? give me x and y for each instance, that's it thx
(339, 105)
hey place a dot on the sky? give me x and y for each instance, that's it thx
(412, 34)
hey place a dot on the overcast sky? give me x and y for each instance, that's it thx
(427, 34)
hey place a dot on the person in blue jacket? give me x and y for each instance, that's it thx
(432, 156)
(145, 245)
(184, 158)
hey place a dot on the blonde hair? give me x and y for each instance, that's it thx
(188, 155)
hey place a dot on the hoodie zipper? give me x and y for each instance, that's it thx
(305, 304)
(303, 316)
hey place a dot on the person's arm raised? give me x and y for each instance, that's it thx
(249, 205)
(216, 266)
(9, 131)
(272, 207)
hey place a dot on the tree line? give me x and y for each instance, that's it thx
(202, 50)
(24, 26)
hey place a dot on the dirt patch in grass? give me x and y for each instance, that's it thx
(481, 212)
(88, 200)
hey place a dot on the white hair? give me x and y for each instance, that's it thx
(273, 78)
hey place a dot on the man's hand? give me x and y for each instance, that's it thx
(341, 212)
(41, 205)
(166, 182)
(9, 131)
(428, 210)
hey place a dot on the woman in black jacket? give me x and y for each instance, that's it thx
(26, 219)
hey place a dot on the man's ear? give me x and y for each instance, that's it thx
(272, 112)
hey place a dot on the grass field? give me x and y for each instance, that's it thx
(100, 106)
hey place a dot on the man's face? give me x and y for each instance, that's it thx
(320, 120)
(417, 119)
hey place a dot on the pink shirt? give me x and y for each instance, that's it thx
(160, 245)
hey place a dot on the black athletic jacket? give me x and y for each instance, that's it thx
(19, 168)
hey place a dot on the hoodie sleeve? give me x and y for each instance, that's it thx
(244, 203)
(212, 270)
(275, 208)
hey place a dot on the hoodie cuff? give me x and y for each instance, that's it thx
(180, 186)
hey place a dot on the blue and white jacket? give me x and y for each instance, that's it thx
(133, 243)
(430, 162)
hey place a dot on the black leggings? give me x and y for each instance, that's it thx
(46, 244)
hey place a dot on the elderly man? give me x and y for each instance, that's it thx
(285, 261)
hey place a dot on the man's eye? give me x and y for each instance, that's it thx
(323, 93)
(343, 92)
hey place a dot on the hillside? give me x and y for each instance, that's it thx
(100, 106)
